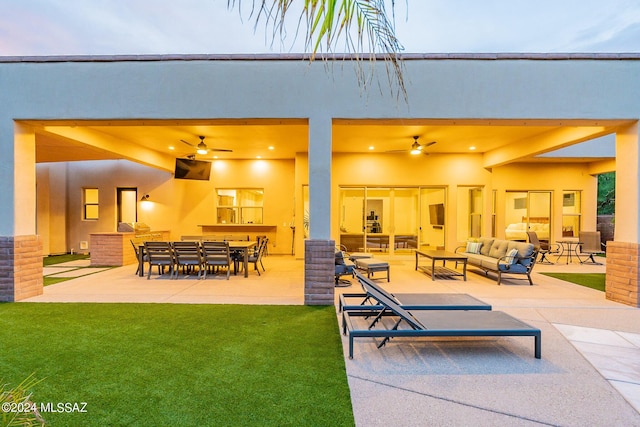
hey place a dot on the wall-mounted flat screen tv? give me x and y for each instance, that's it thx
(436, 214)
(192, 169)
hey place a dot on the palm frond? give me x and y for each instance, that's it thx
(361, 27)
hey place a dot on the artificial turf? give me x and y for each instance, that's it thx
(179, 364)
(57, 259)
(590, 280)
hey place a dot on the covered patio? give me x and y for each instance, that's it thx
(491, 116)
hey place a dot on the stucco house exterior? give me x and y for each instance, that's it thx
(319, 158)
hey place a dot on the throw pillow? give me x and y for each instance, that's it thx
(512, 256)
(473, 247)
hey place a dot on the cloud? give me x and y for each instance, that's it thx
(81, 27)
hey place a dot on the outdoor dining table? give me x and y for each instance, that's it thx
(243, 246)
(568, 249)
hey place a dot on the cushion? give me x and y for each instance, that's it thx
(499, 249)
(524, 249)
(512, 268)
(340, 258)
(512, 256)
(473, 247)
(486, 245)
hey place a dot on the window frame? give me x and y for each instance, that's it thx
(86, 205)
(240, 208)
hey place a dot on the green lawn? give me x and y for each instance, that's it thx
(179, 364)
(57, 259)
(590, 280)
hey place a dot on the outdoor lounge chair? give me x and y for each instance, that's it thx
(343, 267)
(408, 301)
(438, 323)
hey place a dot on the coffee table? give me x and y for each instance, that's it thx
(442, 270)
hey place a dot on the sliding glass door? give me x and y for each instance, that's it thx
(528, 211)
(391, 219)
(432, 218)
(352, 219)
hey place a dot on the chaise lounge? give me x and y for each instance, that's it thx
(367, 302)
(437, 323)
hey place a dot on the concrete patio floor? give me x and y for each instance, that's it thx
(589, 374)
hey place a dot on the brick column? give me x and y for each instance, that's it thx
(319, 272)
(622, 273)
(20, 267)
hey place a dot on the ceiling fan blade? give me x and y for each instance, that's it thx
(188, 143)
(429, 144)
(226, 150)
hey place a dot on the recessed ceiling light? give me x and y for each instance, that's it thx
(171, 147)
(215, 157)
(371, 147)
(258, 157)
(472, 148)
(271, 147)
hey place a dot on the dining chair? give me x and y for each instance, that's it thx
(137, 243)
(590, 245)
(259, 240)
(544, 248)
(188, 255)
(256, 257)
(161, 255)
(216, 255)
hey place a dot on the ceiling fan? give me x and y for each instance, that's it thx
(202, 148)
(416, 147)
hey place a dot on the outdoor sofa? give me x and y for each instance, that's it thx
(500, 256)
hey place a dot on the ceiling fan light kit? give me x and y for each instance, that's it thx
(416, 147)
(202, 148)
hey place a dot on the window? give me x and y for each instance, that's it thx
(470, 203)
(571, 213)
(90, 203)
(240, 205)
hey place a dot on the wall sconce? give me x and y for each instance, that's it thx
(145, 203)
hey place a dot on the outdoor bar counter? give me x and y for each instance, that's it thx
(114, 248)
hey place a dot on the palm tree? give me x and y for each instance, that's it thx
(360, 27)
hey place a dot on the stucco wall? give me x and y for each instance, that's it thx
(476, 87)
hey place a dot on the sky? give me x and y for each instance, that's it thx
(113, 27)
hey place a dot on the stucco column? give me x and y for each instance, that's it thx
(20, 247)
(622, 282)
(319, 258)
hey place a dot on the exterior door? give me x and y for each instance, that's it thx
(127, 201)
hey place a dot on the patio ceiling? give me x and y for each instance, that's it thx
(158, 142)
